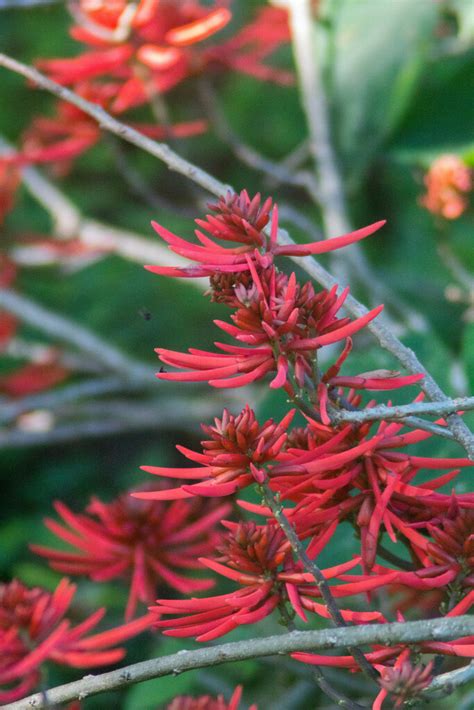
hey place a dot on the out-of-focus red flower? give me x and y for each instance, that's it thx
(404, 681)
(145, 542)
(156, 44)
(448, 183)
(34, 628)
(71, 132)
(207, 702)
(235, 445)
(259, 559)
(33, 377)
(10, 179)
(8, 323)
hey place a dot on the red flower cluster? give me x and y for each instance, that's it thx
(137, 51)
(146, 543)
(281, 323)
(448, 183)
(259, 558)
(323, 474)
(34, 629)
(153, 45)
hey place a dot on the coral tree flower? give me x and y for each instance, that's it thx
(448, 183)
(378, 479)
(154, 45)
(70, 132)
(235, 445)
(280, 323)
(34, 629)
(403, 681)
(259, 559)
(207, 702)
(146, 542)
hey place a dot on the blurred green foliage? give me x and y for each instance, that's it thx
(399, 78)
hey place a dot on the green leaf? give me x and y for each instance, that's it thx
(379, 50)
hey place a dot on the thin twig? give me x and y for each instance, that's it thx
(175, 162)
(311, 566)
(442, 629)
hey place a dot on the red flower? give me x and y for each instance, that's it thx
(403, 681)
(282, 323)
(235, 444)
(145, 542)
(71, 132)
(240, 219)
(259, 559)
(10, 179)
(448, 554)
(34, 629)
(157, 44)
(206, 702)
(448, 183)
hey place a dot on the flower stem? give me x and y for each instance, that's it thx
(300, 552)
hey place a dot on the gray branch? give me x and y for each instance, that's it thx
(443, 629)
(382, 411)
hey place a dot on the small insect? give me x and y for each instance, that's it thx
(145, 313)
(162, 369)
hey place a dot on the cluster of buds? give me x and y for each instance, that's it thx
(133, 53)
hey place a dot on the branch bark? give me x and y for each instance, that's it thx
(382, 411)
(442, 629)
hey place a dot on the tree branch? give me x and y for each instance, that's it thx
(382, 411)
(442, 629)
(175, 162)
